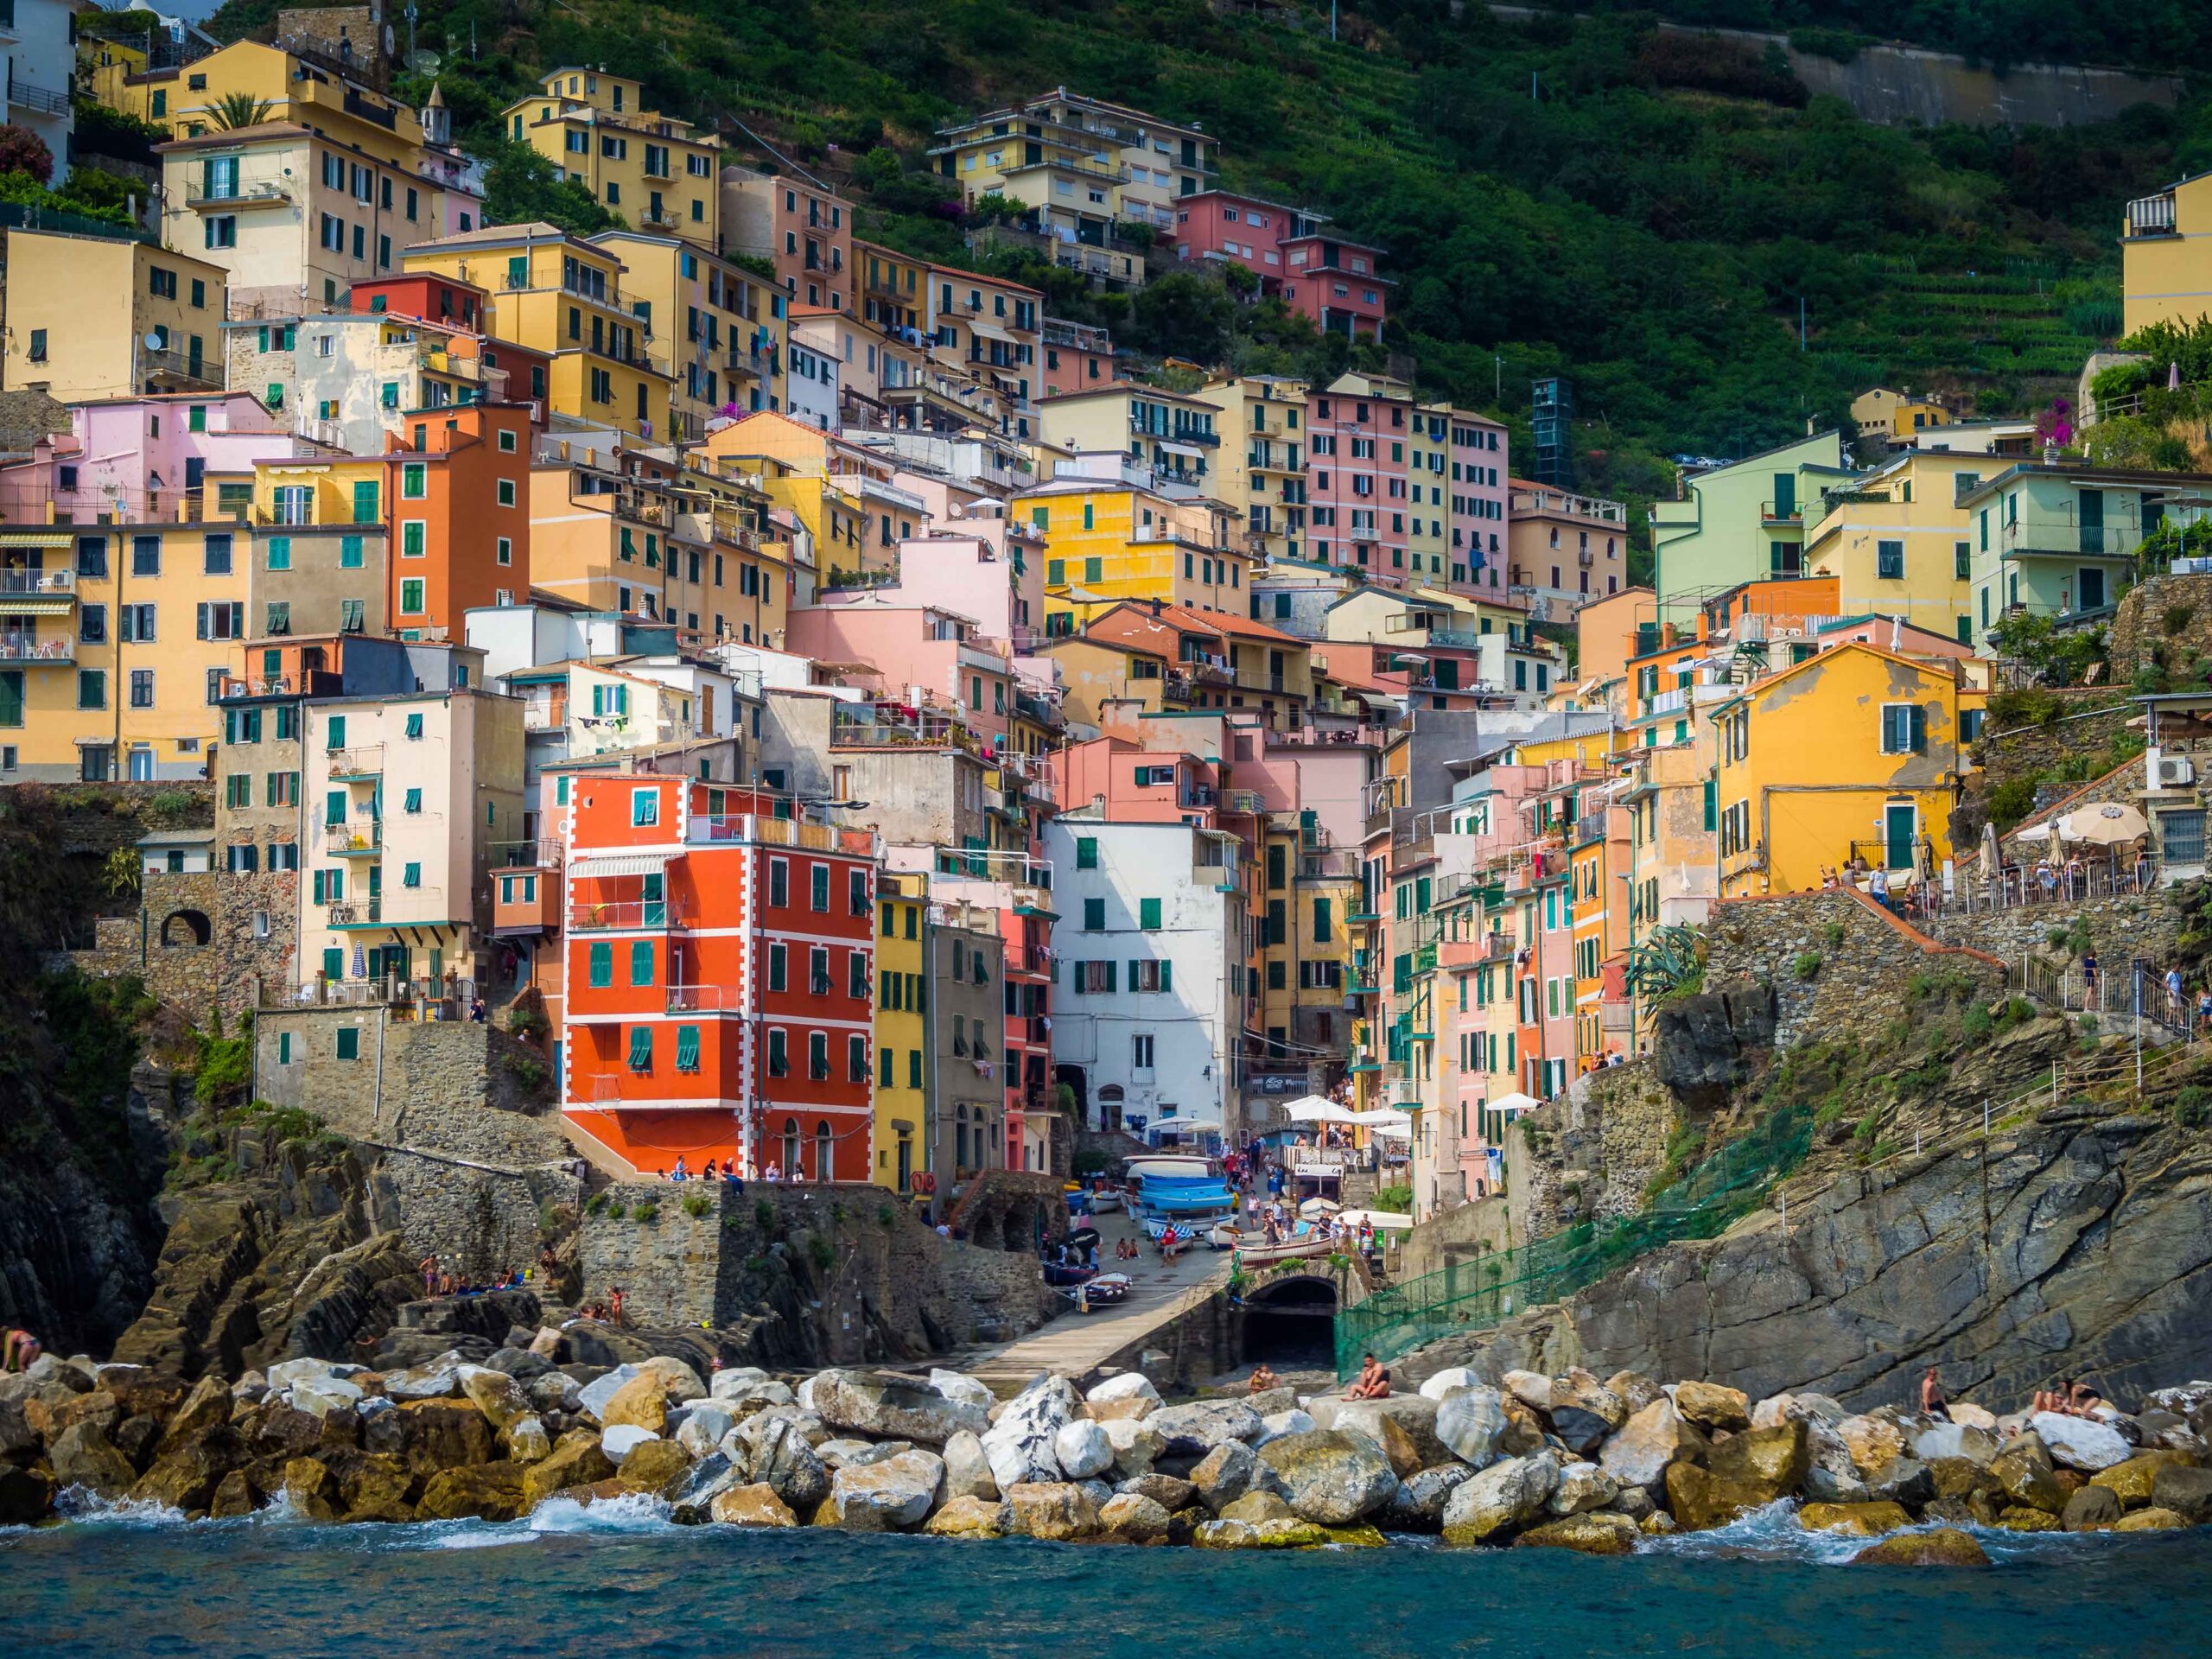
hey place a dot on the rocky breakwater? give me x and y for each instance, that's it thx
(1573, 1461)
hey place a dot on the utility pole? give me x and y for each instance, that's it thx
(1801, 322)
(1332, 21)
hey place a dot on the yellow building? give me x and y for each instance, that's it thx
(1171, 434)
(718, 328)
(1260, 473)
(111, 655)
(186, 99)
(893, 287)
(1857, 753)
(554, 293)
(95, 316)
(1898, 544)
(902, 1027)
(1110, 539)
(1080, 164)
(2166, 255)
(1881, 412)
(844, 496)
(643, 165)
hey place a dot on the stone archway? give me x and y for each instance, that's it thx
(1291, 1322)
(185, 930)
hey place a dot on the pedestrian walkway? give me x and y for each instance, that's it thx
(1075, 1344)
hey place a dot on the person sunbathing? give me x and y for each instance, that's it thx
(1374, 1381)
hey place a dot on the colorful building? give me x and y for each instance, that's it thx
(1109, 535)
(97, 317)
(1898, 542)
(721, 979)
(802, 229)
(2166, 270)
(1743, 521)
(1564, 550)
(646, 166)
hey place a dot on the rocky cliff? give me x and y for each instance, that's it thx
(2078, 1242)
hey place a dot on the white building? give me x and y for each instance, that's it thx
(41, 55)
(811, 391)
(1150, 918)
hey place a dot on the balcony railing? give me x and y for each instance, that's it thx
(366, 762)
(2152, 215)
(16, 584)
(541, 855)
(23, 95)
(356, 913)
(22, 648)
(354, 839)
(701, 999)
(614, 914)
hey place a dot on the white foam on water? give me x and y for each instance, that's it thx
(633, 1512)
(81, 1504)
(1773, 1534)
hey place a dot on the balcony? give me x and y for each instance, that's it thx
(525, 901)
(354, 839)
(542, 854)
(24, 95)
(1246, 802)
(357, 765)
(703, 999)
(616, 915)
(2151, 216)
(1781, 513)
(356, 913)
(178, 365)
(38, 593)
(21, 650)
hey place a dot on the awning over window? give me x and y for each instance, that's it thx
(611, 864)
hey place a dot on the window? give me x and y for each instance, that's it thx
(142, 688)
(1156, 975)
(1888, 561)
(349, 1042)
(856, 1058)
(778, 968)
(641, 1048)
(641, 962)
(779, 882)
(687, 1048)
(411, 875)
(1962, 559)
(602, 965)
(780, 1059)
(856, 897)
(411, 596)
(1094, 915)
(1148, 914)
(145, 555)
(818, 1056)
(1140, 1052)
(1086, 852)
(1903, 728)
(819, 893)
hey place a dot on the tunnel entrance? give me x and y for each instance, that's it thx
(1291, 1323)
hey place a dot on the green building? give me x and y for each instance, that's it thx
(2060, 541)
(1744, 522)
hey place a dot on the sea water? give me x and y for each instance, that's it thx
(618, 1578)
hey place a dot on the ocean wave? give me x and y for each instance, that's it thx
(1774, 1533)
(631, 1513)
(88, 1508)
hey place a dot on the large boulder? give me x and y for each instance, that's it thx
(1745, 1472)
(967, 1469)
(680, 1380)
(1081, 1449)
(893, 1406)
(1127, 1394)
(895, 1495)
(1133, 1516)
(1171, 1492)
(773, 1450)
(969, 1516)
(1197, 1428)
(2081, 1442)
(1860, 1520)
(1639, 1453)
(2184, 1491)
(2130, 1480)
(83, 1456)
(1137, 1445)
(208, 1407)
(185, 1478)
(1870, 1442)
(2092, 1509)
(1055, 1510)
(1418, 1504)
(1291, 1420)
(1588, 1534)
(1944, 1547)
(752, 1505)
(1224, 1475)
(656, 1467)
(576, 1459)
(620, 1440)
(1955, 1440)
(487, 1491)
(702, 1424)
(1583, 1487)
(1495, 1503)
(1532, 1388)
(1404, 1426)
(26, 1497)
(1471, 1425)
(1711, 1406)
(1022, 1444)
(434, 1379)
(1329, 1476)
(642, 1402)
(498, 1395)
(2026, 1474)
(1452, 1376)
(526, 1440)
(310, 1490)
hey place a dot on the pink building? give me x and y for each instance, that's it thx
(1140, 785)
(1316, 272)
(137, 459)
(1356, 474)
(920, 654)
(1479, 497)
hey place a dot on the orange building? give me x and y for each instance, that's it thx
(720, 973)
(458, 483)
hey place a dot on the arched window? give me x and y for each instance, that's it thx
(791, 1170)
(824, 1152)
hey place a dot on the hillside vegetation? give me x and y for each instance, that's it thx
(1645, 213)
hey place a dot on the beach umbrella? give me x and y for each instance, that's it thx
(1515, 1101)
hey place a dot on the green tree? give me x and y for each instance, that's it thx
(235, 109)
(522, 186)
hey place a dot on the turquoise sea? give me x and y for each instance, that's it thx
(619, 1580)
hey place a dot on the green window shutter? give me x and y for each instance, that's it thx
(641, 962)
(365, 491)
(1094, 915)
(1919, 720)
(1110, 985)
(1056, 573)
(1094, 569)
(687, 1048)
(1086, 852)
(333, 807)
(641, 1048)
(1134, 976)
(776, 966)
(602, 965)
(414, 725)
(414, 800)
(913, 1068)
(1167, 976)
(1421, 890)
(283, 1048)
(1712, 803)
(1148, 914)
(412, 876)
(349, 552)
(1321, 930)
(333, 963)
(349, 1042)
(337, 730)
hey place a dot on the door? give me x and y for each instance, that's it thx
(906, 1163)
(2093, 589)
(1785, 495)
(1898, 822)
(142, 765)
(2092, 520)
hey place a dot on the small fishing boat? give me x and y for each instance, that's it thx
(1259, 1253)
(1106, 1287)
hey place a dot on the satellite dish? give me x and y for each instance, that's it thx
(155, 343)
(425, 61)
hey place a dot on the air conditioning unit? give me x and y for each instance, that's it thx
(2176, 772)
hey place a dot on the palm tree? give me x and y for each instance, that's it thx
(235, 109)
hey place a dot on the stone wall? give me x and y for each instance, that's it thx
(1865, 959)
(2141, 623)
(1459, 1234)
(251, 950)
(2090, 718)
(476, 1157)
(1588, 1154)
(815, 1273)
(2123, 928)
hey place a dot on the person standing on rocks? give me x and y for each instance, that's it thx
(1934, 1403)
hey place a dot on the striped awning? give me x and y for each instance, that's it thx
(599, 867)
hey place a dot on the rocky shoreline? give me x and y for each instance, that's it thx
(1571, 1462)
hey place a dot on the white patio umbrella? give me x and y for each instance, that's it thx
(1515, 1101)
